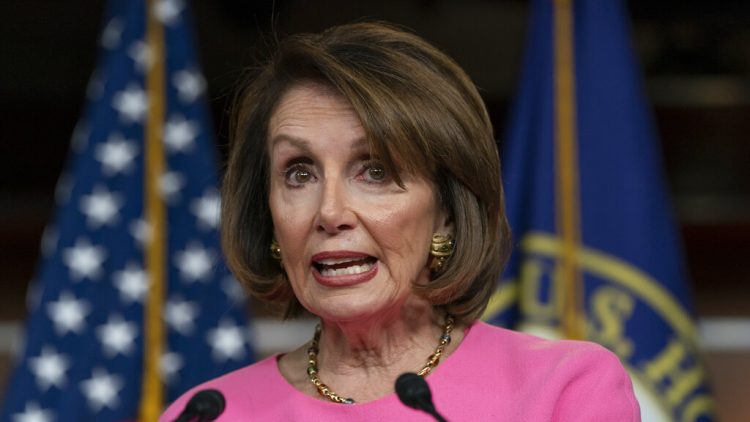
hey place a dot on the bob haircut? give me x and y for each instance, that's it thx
(420, 112)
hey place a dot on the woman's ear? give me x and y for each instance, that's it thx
(444, 223)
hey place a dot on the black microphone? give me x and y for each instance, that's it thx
(204, 406)
(414, 392)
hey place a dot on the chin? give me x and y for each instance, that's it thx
(347, 308)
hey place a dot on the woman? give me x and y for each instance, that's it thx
(363, 186)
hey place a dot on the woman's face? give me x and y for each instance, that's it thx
(352, 240)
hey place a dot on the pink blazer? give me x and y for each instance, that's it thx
(495, 375)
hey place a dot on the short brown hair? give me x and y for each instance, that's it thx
(419, 109)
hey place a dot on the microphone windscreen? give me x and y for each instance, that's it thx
(208, 404)
(413, 391)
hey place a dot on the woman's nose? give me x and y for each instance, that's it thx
(335, 213)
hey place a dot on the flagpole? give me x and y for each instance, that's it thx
(152, 395)
(567, 199)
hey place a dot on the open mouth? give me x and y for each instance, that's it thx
(332, 267)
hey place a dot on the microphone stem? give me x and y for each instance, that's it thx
(437, 416)
(430, 408)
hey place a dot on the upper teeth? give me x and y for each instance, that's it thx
(354, 269)
(334, 261)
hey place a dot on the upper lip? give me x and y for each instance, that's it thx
(338, 255)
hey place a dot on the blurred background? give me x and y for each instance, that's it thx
(695, 58)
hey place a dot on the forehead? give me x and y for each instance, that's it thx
(310, 107)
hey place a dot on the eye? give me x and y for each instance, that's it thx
(374, 172)
(301, 176)
(298, 175)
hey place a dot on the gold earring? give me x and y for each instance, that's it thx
(441, 247)
(275, 250)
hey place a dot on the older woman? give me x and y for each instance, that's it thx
(363, 186)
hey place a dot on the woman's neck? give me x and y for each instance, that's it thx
(362, 359)
(397, 341)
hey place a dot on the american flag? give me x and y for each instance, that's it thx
(86, 339)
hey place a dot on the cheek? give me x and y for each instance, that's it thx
(292, 240)
(290, 223)
(404, 231)
(290, 208)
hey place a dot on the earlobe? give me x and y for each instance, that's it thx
(444, 223)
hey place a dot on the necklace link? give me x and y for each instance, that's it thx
(325, 391)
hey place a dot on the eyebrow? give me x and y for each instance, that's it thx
(295, 141)
(304, 144)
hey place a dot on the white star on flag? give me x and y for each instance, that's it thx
(95, 88)
(101, 390)
(180, 133)
(101, 207)
(227, 341)
(170, 184)
(50, 236)
(111, 34)
(168, 11)
(233, 290)
(117, 336)
(49, 368)
(207, 209)
(180, 315)
(84, 260)
(169, 365)
(195, 262)
(80, 137)
(68, 314)
(63, 189)
(142, 55)
(33, 413)
(132, 282)
(34, 296)
(189, 85)
(116, 155)
(131, 104)
(140, 230)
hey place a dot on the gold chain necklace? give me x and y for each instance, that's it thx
(325, 391)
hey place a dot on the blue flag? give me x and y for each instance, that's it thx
(597, 254)
(132, 304)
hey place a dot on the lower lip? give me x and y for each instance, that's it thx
(345, 280)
